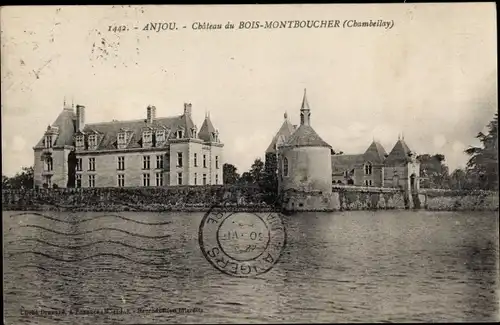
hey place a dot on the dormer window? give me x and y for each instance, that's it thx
(48, 141)
(122, 140)
(194, 132)
(160, 136)
(80, 141)
(92, 141)
(147, 139)
(180, 134)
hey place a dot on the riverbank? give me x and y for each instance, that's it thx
(238, 198)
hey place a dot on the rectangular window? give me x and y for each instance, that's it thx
(217, 162)
(195, 178)
(159, 179)
(216, 178)
(204, 161)
(179, 159)
(78, 180)
(80, 141)
(160, 136)
(179, 178)
(145, 162)
(147, 136)
(204, 179)
(91, 180)
(92, 164)
(159, 162)
(121, 163)
(121, 180)
(145, 179)
(79, 164)
(49, 165)
(92, 140)
(122, 140)
(195, 160)
(179, 134)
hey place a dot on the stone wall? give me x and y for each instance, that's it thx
(177, 198)
(201, 198)
(435, 199)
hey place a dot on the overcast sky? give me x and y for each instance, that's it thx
(432, 76)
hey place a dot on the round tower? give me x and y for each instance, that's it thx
(305, 163)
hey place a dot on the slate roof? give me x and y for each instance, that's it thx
(206, 130)
(398, 155)
(375, 153)
(305, 136)
(342, 163)
(66, 124)
(110, 130)
(285, 131)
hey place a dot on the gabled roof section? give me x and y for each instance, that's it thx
(375, 153)
(65, 123)
(399, 154)
(342, 163)
(110, 130)
(305, 136)
(206, 129)
(285, 131)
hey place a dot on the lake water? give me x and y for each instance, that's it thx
(358, 266)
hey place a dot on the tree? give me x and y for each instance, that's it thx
(230, 174)
(257, 171)
(21, 180)
(458, 180)
(434, 172)
(269, 182)
(482, 166)
(5, 182)
(255, 174)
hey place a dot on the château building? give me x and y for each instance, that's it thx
(153, 151)
(398, 169)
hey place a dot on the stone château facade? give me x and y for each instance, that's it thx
(154, 151)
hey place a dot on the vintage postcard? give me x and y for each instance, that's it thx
(322, 163)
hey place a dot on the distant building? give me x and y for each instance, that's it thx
(154, 151)
(374, 167)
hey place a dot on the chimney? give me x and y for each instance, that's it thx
(187, 109)
(80, 117)
(151, 114)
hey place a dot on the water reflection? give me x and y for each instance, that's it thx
(346, 266)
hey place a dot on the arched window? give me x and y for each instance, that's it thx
(368, 168)
(285, 166)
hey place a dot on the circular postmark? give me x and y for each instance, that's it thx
(242, 244)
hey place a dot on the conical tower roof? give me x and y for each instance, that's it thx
(399, 154)
(285, 131)
(305, 136)
(375, 153)
(65, 123)
(206, 130)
